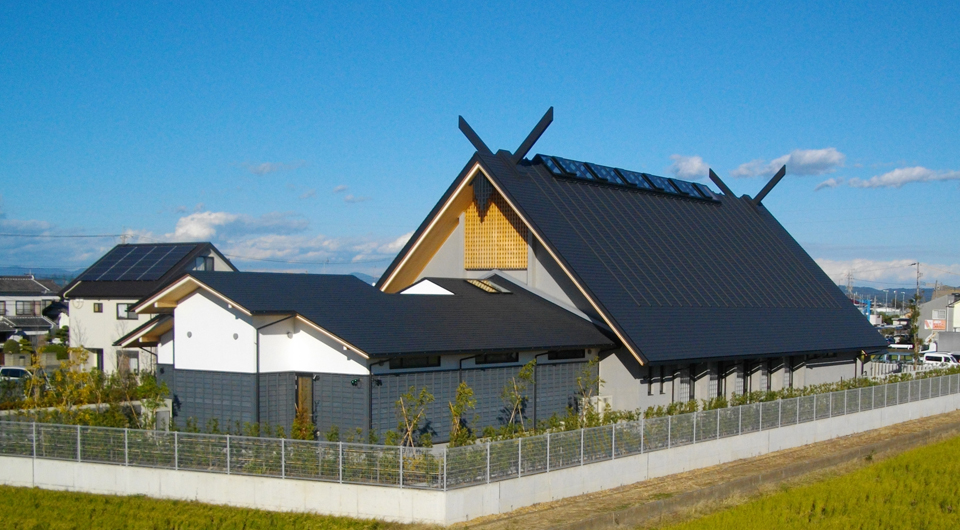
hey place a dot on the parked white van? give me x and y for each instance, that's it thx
(941, 359)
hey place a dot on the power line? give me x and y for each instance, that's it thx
(245, 258)
(61, 236)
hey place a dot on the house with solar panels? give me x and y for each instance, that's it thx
(102, 297)
(704, 292)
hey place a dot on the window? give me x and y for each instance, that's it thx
(565, 355)
(28, 308)
(399, 363)
(204, 263)
(940, 314)
(97, 307)
(124, 313)
(495, 358)
(3, 308)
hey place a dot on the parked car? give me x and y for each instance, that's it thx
(945, 359)
(14, 373)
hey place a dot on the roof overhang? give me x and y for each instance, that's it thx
(148, 334)
(167, 298)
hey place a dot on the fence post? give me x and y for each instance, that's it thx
(176, 450)
(548, 452)
(694, 427)
(613, 441)
(444, 469)
(798, 410)
(898, 393)
(228, 454)
(400, 449)
(519, 457)
(340, 462)
(830, 405)
(718, 424)
(908, 391)
(740, 420)
(488, 462)
(34, 439)
(581, 446)
(78, 443)
(814, 407)
(669, 431)
(760, 423)
(780, 413)
(845, 401)
(283, 458)
(643, 424)
(860, 399)
(126, 447)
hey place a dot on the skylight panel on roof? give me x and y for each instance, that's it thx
(550, 165)
(575, 169)
(705, 191)
(660, 183)
(685, 187)
(488, 286)
(635, 179)
(604, 173)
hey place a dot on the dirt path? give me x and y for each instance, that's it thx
(644, 503)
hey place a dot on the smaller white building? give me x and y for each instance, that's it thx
(102, 297)
(22, 302)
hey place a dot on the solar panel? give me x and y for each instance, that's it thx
(604, 173)
(661, 183)
(575, 169)
(550, 165)
(685, 187)
(140, 262)
(634, 178)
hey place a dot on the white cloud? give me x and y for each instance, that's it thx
(888, 274)
(203, 226)
(798, 162)
(264, 168)
(829, 183)
(688, 167)
(396, 245)
(307, 194)
(901, 176)
(353, 199)
(340, 188)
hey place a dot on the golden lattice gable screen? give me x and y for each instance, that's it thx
(494, 236)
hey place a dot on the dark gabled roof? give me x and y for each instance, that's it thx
(380, 324)
(135, 270)
(680, 278)
(28, 322)
(27, 285)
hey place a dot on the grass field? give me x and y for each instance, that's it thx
(24, 508)
(918, 489)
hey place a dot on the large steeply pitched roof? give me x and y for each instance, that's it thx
(136, 270)
(679, 278)
(470, 320)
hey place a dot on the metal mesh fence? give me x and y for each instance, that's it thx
(448, 467)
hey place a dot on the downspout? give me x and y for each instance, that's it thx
(460, 367)
(370, 396)
(257, 380)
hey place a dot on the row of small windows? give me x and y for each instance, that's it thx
(27, 308)
(433, 361)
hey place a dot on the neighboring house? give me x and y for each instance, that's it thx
(23, 300)
(102, 297)
(252, 347)
(706, 293)
(939, 315)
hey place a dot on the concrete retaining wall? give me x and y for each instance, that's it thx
(408, 505)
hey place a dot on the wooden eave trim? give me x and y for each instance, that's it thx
(155, 299)
(433, 223)
(342, 342)
(596, 306)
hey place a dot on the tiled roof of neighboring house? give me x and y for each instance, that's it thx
(680, 276)
(6, 326)
(470, 320)
(28, 322)
(135, 270)
(27, 285)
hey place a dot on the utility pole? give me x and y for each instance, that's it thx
(850, 284)
(918, 282)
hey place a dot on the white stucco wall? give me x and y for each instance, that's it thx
(165, 352)
(305, 350)
(101, 330)
(204, 329)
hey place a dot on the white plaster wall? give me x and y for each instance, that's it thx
(211, 344)
(165, 348)
(621, 375)
(100, 330)
(305, 350)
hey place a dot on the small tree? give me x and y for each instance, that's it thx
(11, 346)
(514, 394)
(411, 409)
(303, 427)
(588, 381)
(463, 402)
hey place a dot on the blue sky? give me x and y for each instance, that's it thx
(319, 136)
